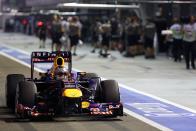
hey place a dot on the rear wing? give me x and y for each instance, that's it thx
(49, 57)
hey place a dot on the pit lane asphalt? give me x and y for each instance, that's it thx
(8, 122)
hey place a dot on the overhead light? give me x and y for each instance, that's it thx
(41, 11)
(14, 11)
(53, 11)
(67, 13)
(96, 6)
(168, 2)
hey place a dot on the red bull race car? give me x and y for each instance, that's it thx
(61, 91)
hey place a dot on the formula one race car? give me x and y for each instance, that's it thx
(61, 91)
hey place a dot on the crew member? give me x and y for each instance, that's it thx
(74, 33)
(106, 34)
(149, 32)
(189, 41)
(56, 33)
(41, 33)
(177, 39)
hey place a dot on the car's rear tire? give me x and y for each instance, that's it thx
(26, 93)
(11, 85)
(110, 91)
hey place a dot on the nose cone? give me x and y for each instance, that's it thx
(72, 93)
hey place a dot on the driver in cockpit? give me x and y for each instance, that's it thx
(58, 70)
(60, 73)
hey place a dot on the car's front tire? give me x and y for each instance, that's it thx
(110, 91)
(26, 93)
(11, 85)
(25, 96)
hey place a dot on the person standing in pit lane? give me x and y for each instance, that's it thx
(96, 36)
(189, 41)
(106, 34)
(65, 37)
(133, 36)
(41, 33)
(74, 33)
(176, 29)
(116, 32)
(169, 43)
(148, 34)
(56, 33)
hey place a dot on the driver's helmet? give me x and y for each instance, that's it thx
(60, 73)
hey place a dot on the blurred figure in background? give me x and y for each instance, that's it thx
(65, 37)
(140, 41)
(96, 36)
(169, 45)
(133, 36)
(24, 23)
(41, 33)
(56, 33)
(177, 39)
(189, 42)
(74, 33)
(149, 32)
(161, 24)
(122, 43)
(116, 32)
(9, 25)
(106, 34)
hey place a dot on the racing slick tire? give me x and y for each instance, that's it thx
(25, 96)
(111, 94)
(110, 91)
(12, 83)
(26, 93)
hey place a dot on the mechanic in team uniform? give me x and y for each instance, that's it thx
(176, 29)
(41, 33)
(149, 32)
(189, 35)
(74, 33)
(133, 36)
(116, 31)
(65, 37)
(56, 33)
(106, 35)
(96, 36)
(169, 44)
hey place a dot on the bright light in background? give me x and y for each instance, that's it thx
(98, 6)
(168, 1)
(14, 11)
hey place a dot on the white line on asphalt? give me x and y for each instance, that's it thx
(14, 48)
(148, 121)
(158, 98)
(19, 61)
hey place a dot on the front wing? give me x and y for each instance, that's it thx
(94, 109)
